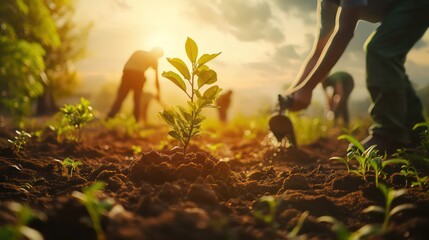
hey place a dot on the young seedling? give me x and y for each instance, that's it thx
(368, 230)
(412, 171)
(343, 233)
(71, 165)
(24, 215)
(366, 159)
(360, 154)
(186, 122)
(378, 165)
(94, 206)
(268, 210)
(136, 149)
(72, 119)
(294, 233)
(390, 195)
(19, 142)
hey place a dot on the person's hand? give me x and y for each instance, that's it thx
(301, 99)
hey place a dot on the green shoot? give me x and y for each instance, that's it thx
(24, 215)
(136, 149)
(390, 195)
(71, 165)
(378, 165)
(72, 119)
(294, 233)
(343, 233)
(19, 142)
(268, 210)
(366, 159)
(122, 125)
(186, 122)
(95, 207)
(412, 171)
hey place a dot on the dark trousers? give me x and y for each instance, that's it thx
(395, 106)
(131, 81)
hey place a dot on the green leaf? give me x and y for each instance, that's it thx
(180, 66)
(365, 231)
(207, 57)
(338, 228)
(191, 50)
(176, 79)
(206, 77)
(395, 161)
(352, 140)
(168, 116)
(185, 114)
(374, 208)
(174, 135)
(400, 208)
(212, 92)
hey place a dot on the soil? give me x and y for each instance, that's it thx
(212, 192)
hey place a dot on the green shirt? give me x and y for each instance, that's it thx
(336, 78)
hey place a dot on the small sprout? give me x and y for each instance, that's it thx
(412, 171)
(19, 142)
(136, 149)
(294, 233)
(343, 233)
(390, 195)
(94, 206)
(366, 159)
(266, 210)
(72, 119)
(24, 215)
(71, 165)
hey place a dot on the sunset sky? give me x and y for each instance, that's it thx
(263, 43)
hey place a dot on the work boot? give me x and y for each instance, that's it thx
(417, 136)
(383, 145)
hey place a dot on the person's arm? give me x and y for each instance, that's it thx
(326, 11)
(346, 22)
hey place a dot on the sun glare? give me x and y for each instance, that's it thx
(167, 41)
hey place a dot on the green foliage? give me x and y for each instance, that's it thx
(342, 233)
(19, 142)
(409, 171)
(20, 230)
(368, 230)
(123, 125)
(390, 195)
(71, 165)
(38, 44)
(72, 119)
(186, 122)
(95, 207)
(136, 149)
(25, 27)
(311, 129)
(366, 159)
(267, 210)
(294, 233)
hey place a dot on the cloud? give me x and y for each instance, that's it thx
(302, 9)
(248, 21)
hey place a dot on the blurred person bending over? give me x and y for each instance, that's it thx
(223, 102)
(395, 106)
(133, 79)
(342, 86)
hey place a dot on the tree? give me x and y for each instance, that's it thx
(24, 26)
(38, 45)
(62, 77)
